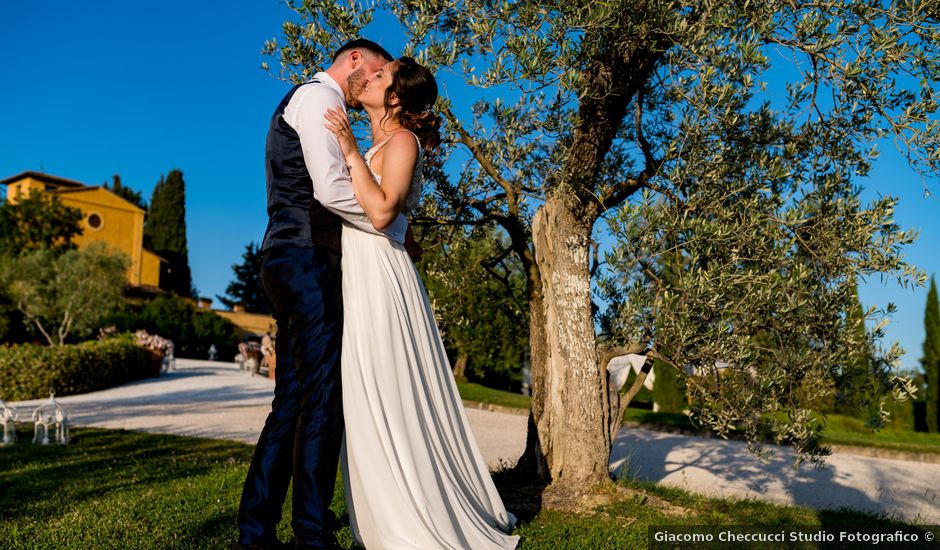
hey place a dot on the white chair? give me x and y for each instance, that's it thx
(51, 414)
(7, 418)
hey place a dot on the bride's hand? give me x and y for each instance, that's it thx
(338, 123)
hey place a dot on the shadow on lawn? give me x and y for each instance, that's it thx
(220, 529)
(726, 467)
(37, 480)
(521, 494)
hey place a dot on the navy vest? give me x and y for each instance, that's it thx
(295, 219)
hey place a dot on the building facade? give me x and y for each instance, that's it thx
(106, 218)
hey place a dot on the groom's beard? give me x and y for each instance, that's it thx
(355, 83)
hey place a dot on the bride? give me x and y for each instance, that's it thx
(414, 475)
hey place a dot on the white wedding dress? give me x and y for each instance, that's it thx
(414, 476)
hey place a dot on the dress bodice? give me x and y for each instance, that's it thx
(414, 192)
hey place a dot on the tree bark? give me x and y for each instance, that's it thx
(570, 399)
(460, 368)
(569, 440)
(537, 454)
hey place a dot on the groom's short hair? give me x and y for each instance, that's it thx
(363, 44)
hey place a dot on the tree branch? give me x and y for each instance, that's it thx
(637, 383)
(651, 273)
(35, 320)
(467, 140)
(428, 221)
(619, 193)
(645, 147)
(66, 325)
(607, 354)
(595, 253)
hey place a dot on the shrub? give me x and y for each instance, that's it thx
(29, 371)
(192, 330)
(902, 414)
(67, 294)
(668, 389)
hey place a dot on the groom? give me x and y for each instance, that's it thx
(309, 192)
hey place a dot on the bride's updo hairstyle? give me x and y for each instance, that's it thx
(416, 90)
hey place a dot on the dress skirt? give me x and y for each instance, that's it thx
(414, 476)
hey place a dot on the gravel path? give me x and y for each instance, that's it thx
(715, 467)
(214, 400)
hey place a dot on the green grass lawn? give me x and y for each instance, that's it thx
(128, 490)
(845, 430)
(840, 430)
(481, 394)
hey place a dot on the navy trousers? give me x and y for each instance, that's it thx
(302, 435)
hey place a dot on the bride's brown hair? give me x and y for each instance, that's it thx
(416, 90)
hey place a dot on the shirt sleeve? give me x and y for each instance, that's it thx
(332, 186)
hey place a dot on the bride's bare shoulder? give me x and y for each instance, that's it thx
(402, 147)
(403, 142)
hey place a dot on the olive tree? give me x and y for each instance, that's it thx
(61, 295)
(37, 221)
(477, 289)
(734, 130)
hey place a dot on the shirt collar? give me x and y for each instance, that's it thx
(328, 80)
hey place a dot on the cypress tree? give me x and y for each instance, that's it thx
(126, 193)
(931, 359)
(246, 289)
(669, 389)
(165, 232)
(855, 383)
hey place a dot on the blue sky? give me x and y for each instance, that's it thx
(92, 89)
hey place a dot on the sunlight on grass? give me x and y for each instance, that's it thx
(131, 490)
(481, 394)
(845, 430)
(839, 430)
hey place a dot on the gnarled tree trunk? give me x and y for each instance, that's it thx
(535, 457)
(570, 426)
(570, 408)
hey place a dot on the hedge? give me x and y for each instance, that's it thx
(192, 330)
(29, 371)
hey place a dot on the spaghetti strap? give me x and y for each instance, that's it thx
(372, 150)
(375, 148)
(420, 147)
(414, 193)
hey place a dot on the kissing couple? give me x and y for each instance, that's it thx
(358, 349)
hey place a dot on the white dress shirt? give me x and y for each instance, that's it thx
(326, 164)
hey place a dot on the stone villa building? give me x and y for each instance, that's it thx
(105, 217)
(109, 218)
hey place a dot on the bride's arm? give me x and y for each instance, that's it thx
(382, 204)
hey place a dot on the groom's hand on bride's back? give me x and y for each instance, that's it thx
(412, 247)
